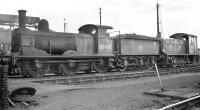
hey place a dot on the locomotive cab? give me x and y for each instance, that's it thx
(95, 30)
(181, 49)
(102, 43)
(190, 42)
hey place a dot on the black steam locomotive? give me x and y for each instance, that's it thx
(35, 53)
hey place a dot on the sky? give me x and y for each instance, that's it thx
(128, 16)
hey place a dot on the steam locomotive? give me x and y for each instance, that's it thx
(35, 53)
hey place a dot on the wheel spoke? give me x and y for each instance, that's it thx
(174, 64)
(69, 70)
(33, 71)
(149, 63)
(122, 65)
(17, 69)
(100, 67)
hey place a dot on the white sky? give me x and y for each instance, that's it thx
(128, 16)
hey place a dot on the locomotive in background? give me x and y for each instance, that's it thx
(141, 51)
(5, 39)
(35, 53)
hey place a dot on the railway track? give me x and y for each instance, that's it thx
(187, 104)
(111, 76)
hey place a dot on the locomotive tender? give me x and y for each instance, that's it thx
(35, 53)
(136, 51)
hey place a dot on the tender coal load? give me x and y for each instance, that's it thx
(3, 89)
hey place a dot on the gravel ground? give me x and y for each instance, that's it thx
(115, 95)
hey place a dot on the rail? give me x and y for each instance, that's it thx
(185, 104)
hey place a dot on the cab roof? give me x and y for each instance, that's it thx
(181, 35)
(94, 25)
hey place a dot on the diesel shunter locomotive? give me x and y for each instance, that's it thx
(35, 53)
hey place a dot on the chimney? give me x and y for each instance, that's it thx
(22, 18)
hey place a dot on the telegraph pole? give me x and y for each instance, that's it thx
(64, 25)
(100, 15)
(158, 20)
